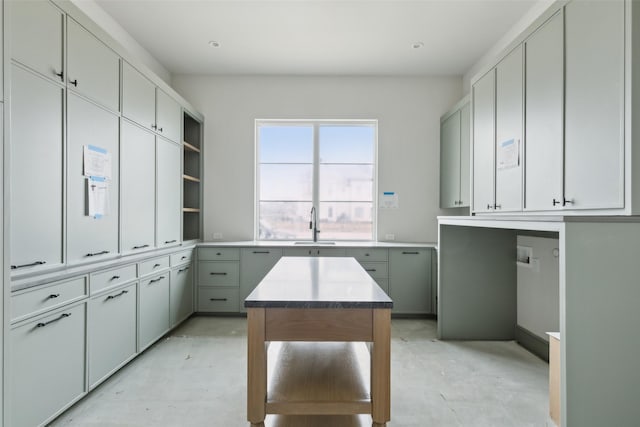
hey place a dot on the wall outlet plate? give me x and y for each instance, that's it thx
(389, 237)
(217, 236)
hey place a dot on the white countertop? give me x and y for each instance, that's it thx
(336, 244)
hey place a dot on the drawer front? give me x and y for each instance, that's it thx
(182, 257)
(47, 297)
(219, 273)
(218, 300)
(218, 254)
(377, 270)
(111, 278)
(153, 265)
(368, 254)
(153, 316)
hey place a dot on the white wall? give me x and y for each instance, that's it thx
(408, 111)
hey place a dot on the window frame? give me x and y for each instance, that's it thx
(315, 123)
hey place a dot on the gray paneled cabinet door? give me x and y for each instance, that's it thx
(255, 264)
(483, 101)
(137, 188)
(410, 280)
(450, 161)
(465, 146)
(594, 104)
(168, 116)
(138, 97)
(544, 84)
(154, 309)
(181, 294)
(93, 68)
(509, 116)
(88, 237)
(168, 196)
(36, 36)
(36, 170)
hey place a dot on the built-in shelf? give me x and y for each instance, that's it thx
(191, 210)
(191, 178)
(190, 147)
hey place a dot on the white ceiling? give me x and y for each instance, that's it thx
(317, 37)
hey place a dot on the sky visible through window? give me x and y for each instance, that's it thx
(346, 168)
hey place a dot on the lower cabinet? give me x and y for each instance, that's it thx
(218, 280)
(153, 316)
(180, 294)
(112, 331)
(255, 263)
(47, 365)
(410, 280)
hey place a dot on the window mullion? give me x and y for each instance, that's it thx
(316, 169)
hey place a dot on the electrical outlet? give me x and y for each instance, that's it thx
(217, 236)
(390, 237)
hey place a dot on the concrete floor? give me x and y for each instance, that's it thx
(196, 377)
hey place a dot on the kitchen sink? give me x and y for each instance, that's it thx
(314, 243)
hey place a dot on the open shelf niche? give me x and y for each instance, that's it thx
(191, 178)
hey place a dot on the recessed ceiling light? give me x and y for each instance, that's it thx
(214, 43)
(417, 45)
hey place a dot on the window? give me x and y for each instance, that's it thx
(329, 165)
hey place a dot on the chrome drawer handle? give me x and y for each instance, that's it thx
(52, 296)
(141, 246)
(115, 278)
(97, 253)
(156, 280)
(117, 295)
(170, 241)
(43, 324)
(15, 267)
(213, 273)
(217, 299)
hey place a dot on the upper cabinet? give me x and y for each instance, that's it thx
(454, 156)
(149, 106)
(483, 95)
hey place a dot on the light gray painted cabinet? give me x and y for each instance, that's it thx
(93, 68)
(454, 156)
(169, 203)
(112, 331)
(36, 170)
(544, 104)
(255, 263)
(315, 251)
(37, 36)
(483, 110)
(137, 188)
(153, 316)
(47, 365)
(509, 116)
(168, 116)
(410, 280)
(138, 97)
(90, 124)
(181, 294)
(594, 104)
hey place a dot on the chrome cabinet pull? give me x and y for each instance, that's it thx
(156, 280)
(170, 241)
(15, 267)
(114, 278)
(53, 296)
(140, 247)
(43, 324)
(97, 253)
(124, 291)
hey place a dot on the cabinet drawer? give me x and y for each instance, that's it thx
(110, 278)
(46, 297)
(219, 273)
(182, 257)
(377, 270)
(218, 254)
(368, 254)
(218, 300)
(152, 265)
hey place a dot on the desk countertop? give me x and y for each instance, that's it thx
(318, 282)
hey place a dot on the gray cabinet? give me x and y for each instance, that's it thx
(544, 104)
(181, 294)
(47, 365)
(112, 331)
(255, 263)
(315, 251)
(454, 156)
(410, 280)
(219, 280)
(594, 104)
(168, 193)
(89, 238)
(509, 117)
(137, 188)
(93, 68)
(168, 116)
(36, 170)
(153, 316)
(483, 110)
(37, 37)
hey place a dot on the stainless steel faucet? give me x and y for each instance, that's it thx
(313, 224)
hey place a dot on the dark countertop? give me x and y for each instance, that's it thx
(318, 282)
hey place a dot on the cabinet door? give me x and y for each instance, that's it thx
(483, 98)
(112, 331)
(47, 365)
(154, 309)
(465, 145)
(181, 294)
(138, 97)
(410, 280)
(168, 115)
(544, 102)
(93, 68)
(88, 237)
(254, 265)
(137, 189)
(450, 161)
(594, 104)
(36, 36)
(168, 193)
(36, 169)
(509, 115)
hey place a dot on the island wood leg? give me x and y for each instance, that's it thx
(381, 368)
(256, 367)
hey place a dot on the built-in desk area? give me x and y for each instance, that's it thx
(599, 303)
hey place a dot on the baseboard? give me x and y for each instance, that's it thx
(532, 342)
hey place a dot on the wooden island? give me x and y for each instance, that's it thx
(318, 307)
